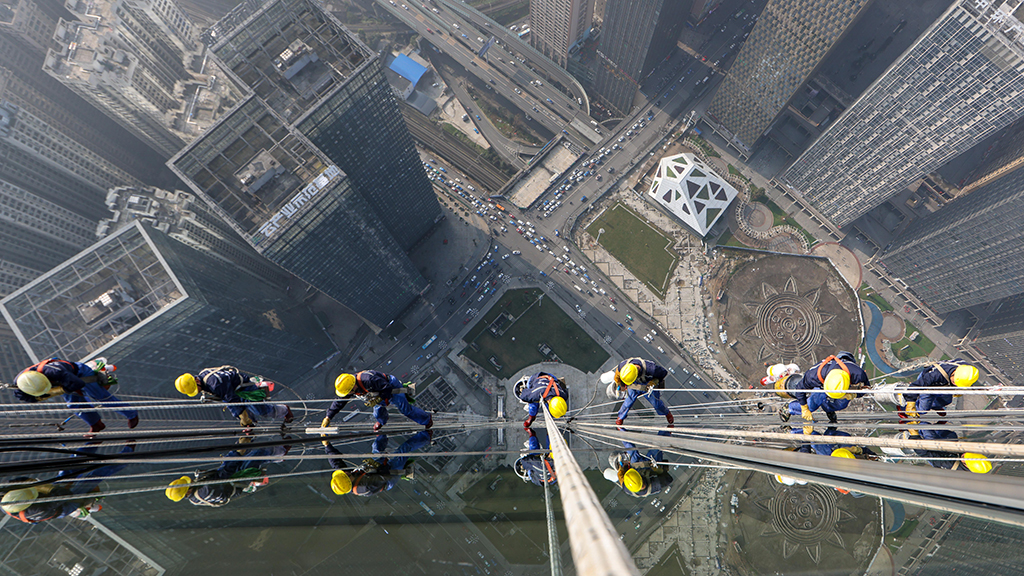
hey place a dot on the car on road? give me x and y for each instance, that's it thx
(478, 131)
(477, 117)
(518, 91)
(630, 328)
(660, 349)
(505, 257)
(516, 252)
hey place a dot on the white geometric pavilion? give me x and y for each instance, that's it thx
(691, 191)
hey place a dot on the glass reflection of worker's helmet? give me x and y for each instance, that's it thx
(520, 386)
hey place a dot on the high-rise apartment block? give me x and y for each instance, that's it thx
(188, 220)
(790, 39)
(558, 25)
(315, 168)
(157, 308)
(140, 63)
(969, 252)
(636, 35)
(32, 21)
(960, 82)
(1000, 338)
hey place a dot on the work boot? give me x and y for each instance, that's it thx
(832, 417)
(133, 422)
(784, 413)
(671, 420)
(941, 413)
(289, 416)
(377, 426)
(429, 423)
(97, 427)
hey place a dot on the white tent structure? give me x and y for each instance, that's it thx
(691, 191)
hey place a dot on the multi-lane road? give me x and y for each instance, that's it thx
(681, 84)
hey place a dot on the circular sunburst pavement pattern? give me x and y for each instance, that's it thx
(805, 514)
(790, 324)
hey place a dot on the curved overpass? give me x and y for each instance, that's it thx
(510, 38)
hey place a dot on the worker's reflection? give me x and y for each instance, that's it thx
(375, 475)
(230, 478)
(536, 467)
(640, 475)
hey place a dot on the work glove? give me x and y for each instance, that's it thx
(808, 430)
(324, 424)
(805, 412)
(911, 410)
(528, 422)
(856, 449)
(245, 420)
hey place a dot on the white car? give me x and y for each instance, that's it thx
(660, 349)
(614, 309)
(516, 252)
(505, 257)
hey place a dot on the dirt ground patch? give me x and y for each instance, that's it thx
(782, 309)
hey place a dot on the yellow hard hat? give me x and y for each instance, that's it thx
(186, 384)
(16, 495)
(977, 463)
(628, 373)
(843, 453)
(178, 489)
(33, 383)
(341, 483)
(633, 480)
(965, 375)
(344, 384)
(557, 407)
(837, 382)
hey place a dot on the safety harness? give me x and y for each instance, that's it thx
(552, 384)
(369, 397)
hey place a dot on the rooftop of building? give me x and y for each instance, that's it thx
(691, 191)
(407, 68)
(93, 51)
(254, 168)
(304, 54)
(100, 294)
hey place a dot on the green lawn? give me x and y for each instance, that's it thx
(919, 349)
(866, 293)
(642, 248)
(543, 322)
(728, 239)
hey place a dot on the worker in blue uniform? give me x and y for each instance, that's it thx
(78, 383)
(970, 461)
(375, 475)
(532, 390)
(246, 393)
(636, 377)
(824, 386)
(376, 390)
(827, 442)
(534, 467)
(640, 475)
(948, 374)
(228, 479)
(78, 501)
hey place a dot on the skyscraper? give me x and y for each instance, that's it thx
(637, 34)
(315, 168)
(140, 63)
(1000, 337)
(969, 252)
(188, 220)
(557, 25)
(790, 39)
(156, 307)
(31, 21)
(961, 81)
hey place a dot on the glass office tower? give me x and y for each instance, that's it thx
(156, 308)
(316, 167)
